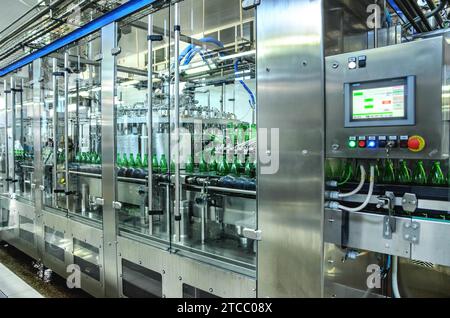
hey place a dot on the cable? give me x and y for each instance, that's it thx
(359, 187)
(369, 195)
(252, 100)
(395, 289)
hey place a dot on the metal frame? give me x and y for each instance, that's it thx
(114, 15)
(110, 224)
(289, 206)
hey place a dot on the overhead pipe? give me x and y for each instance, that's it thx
(420, 14)
(408, 16)
(434, 12)
(438, 17)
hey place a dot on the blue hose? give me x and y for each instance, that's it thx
(252, 100)
(191, 50)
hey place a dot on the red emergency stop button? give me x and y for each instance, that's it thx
(416, 143)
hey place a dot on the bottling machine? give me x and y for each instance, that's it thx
(208, 148)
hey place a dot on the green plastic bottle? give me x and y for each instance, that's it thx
(234, 170)
(145, 162)
(163, 164)
(119, 162)
(125, 162)
(78, 157)
(172, 166)
(389, 174)
(94, 158)
(404, 174)
(131, 161)
(155, 164)
(212, 166)
(203, 165)
(437, 177)
(253, 132)
(223, 168)
(138, 161)
(231, 134)
(98, 160)
(347, 173)
(190, 164)
(419, 175)
(246, 133)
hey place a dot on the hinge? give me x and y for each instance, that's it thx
(116, 50)
(249, 4)
(252, 234)
(99, 201)
(117, 205)
(98, 57)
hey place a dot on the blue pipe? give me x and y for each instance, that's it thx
(91, 27)
(252, 100)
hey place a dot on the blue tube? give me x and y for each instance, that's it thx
(252, 100)
(192, 50)
(388, 265)
(185, 52)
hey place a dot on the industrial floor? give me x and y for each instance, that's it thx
(18, 278)
(11, 286)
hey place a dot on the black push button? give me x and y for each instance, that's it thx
(362, 61)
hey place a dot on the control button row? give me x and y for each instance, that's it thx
(414, 143)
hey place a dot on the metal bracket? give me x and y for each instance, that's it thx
(249, 4)
(387, 230)
(387, 201)
(411, 232)
(252, 234)
(116, 51)
(98, 57)
(409, 202)
(99, 201)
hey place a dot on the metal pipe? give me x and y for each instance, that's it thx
(5, 90)
(13, 132)
(66, 124)
(421, 15)
(436, 15)
(55, 130)
(177, 214)
(150, 123)
(408, 15)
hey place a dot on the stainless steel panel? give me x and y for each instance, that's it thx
(172, 267)
(291, 99)
(387, 63)
(345, 278)
(38, 99)
(108, 75)
(365, 231)
(433, 245)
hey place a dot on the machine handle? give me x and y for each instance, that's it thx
(59, 191)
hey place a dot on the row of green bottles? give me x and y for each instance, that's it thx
(124, 161)
(385, 172)
(85, 157)
(223, 168)
(241, 132)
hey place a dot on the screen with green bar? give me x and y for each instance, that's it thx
(379, 103)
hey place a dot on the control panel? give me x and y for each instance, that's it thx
(387, 143)
(379, 104)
